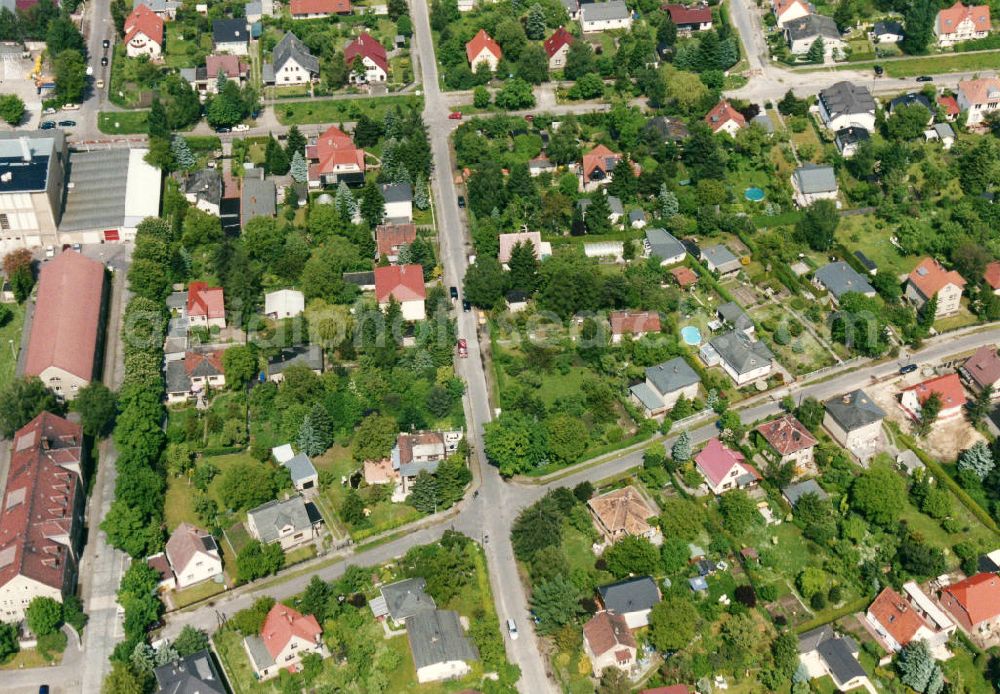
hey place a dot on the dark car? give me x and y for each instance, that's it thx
(461, 201)
(104, 61)
(67, 124)
(925, 78)
(47, 125)
(223, 130)
(879, 69)
(453, 291)
(44, 689)
(908, 369)
(466, 306)
(106, 43)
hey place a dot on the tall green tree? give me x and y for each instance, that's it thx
(11, 109)
(929, 411)
(918, 25)
(555, 604)
(97, 406)
(672, 623)
(523, 268)
(484, 282)
(23, 399)
(816, 52)
(879, 494)
(632, 555)
(372, 204)
(818, 225)
(70, 76)
(44, 615)
(424, 495)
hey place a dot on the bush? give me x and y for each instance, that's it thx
(767, 593)
(835, 595)
(818, 601)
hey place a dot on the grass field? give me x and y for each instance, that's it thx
(342, 110)
(122, 122)
(933, 64)
(10, 343)
(29, 658)
(863, 233)
(189, 596)
(179, 503)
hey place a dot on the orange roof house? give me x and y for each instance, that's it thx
(974, 602)
(405, 284)
(623, 512)
(334, 158)
(723, 117)
(598, 163)
(895, 620)
(992, 275)
(684, 276)
(206, 305)
(959, 21)
(143, 22)
(786, 435)
(319, 8)
(930, 279)
(483, 49)
(634, 323)
(950, 106)
(949, 390)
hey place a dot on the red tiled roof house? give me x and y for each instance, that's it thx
(143, 33)
(206, 306)
(975, 603)
(978, 98)
(285, 637)
(194, 374)
(597, 166)
(608, 642)
(895, 621)
(724, 118)
(483, 49)
(405, 284)
(788, 441)
(391, 238)
(787, 10)
(962, 23)
(929, 279)
(634, 323)
(950, 106)
(334, 158)
(723, 468)
(314, 9)
(374, 61)
(992, 276)
(948, 388)
(690, 19)
(41, 519)
(982, 370)
(557, 48)
(64, 348)
(193, 555)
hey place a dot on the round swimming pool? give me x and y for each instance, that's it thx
(754, 194)
(691, 335)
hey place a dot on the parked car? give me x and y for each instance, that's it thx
(223, 130)
(99, 84)
(463, 348)
(240, 127)
(455, 115)
(106, 43)
(71, 107)
(104, 61)
(67, 124)
(90, 70)
(908, 369)
(466, 306)
(453, 292)
(512, 629)
(47, 125)
(49, 111)
(461, 201)
(925, 78)
(50, 251)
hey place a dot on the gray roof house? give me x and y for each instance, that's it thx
(810, 27)
(304, 475)
(160, 7)
(230, 35)
(844, 104)
(291, 48)
(742, 358)
(719, 258)
(809, 641)
(794, 492)
(764, 121)
(911, 99)
(403, 599)
(849, 139)
(664, 384)
(193, 674)
(397, 192)
(814, 182)
(632, 598)
(840, 656)
(664, 246)
(854, 410)
(288, 522)
(731, 314)
(310, 356)
(839, 278)
(612, 10)
(616, 207)
(440, 648)
(888, 31)
(258, 197)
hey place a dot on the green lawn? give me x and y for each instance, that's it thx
(196, 593)
(341, 110)
(29, 658)
(863, 233)
(122, 122)
(179, 503)
(963, 667)
(933, 64)
(10, 343)
(189, 51)
(812, 356)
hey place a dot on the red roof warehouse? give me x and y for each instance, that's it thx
(42, 514)
(63, 346)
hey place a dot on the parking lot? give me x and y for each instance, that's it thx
(14, 79)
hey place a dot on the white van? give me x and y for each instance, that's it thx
(512, 629)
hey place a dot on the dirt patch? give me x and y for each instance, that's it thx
(791, 608)
(745, 296)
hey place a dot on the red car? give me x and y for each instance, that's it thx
(463, 348)
(455, 115)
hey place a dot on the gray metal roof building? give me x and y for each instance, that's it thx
(845, 98)
(110, 188)
(269, 518)
(672, 375)
(719, 257)
(290, 47)
(794, 492)
(840, 278)
(204, 184)
(812, 25)
(630, 595)
(736, 317)
(838, 654)
(194, 674)
(662, 244)
(397, 192)
(854, 410)
(436, 636)
(300, 467)
(310, 356)
(603, 11)
(811, 179)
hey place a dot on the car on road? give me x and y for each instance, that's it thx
(49, 111)
(223, 130)
(925, 78)
(99, 84)
(512, 629)
(71, 107)
(67, 124)
(908, 369)
(455, 115)
(47, 125)
(240, 127)
(466, 306)
(50, 251)
(463, 348)
(44, 689)
(90, 70)
(461, 201)
(106, 43)
(104, 61)
(453, 292)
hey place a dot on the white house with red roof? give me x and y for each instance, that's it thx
(193, 555)
(634, 323)
(975, 604)
(978, 98)
(948, 388)
(723, 468)
(929, 279)
(789, 441)
(315, 9)
(597, 166)
(690, 19)
(483, 49)
(608, 642)
(405, 284)
(787, 10)
(982, 370)
(724, 118)
(992, 276)
(41, 519)
(557, 48)
(206, 306)
(334, 158)
(962, 23)
(374, 61)
(143, 33)
(286, 636)
(897, 621)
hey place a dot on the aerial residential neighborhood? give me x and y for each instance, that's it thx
(465, 346)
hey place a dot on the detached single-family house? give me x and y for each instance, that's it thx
(193, 674)
(788, 441)
(608, 642)
(690, 19)
(421, 451)
(317, 9)
(258, 196)
(572, 8)
(284, 303)
(844, 105)
(374, 61)
(623, 512)
(723, 468)
(812, 182)
(205, 80)
(978, 98)
(206, 306)
(950, 106)
(665, 383)
(293, 62)
(284, 638)
(839, 278)
(203, 189)
(855, 422)
(632, 598)
(802, 33)
(982, 370)
(231, 36)
(912, 99)
(634, 323)
(166, 9)
(194, 374)
(398, 199)
(597, 166)
(941, 132)
(304, 475)
(334, 158)
(735, 317)
(794, 492)
(543, 249)
(539, 165)
(962, 23)
(975, 603)
(896, 622)
(604, 16)
(685, 277)
(849, 139)
(887, 31)
(742, 358)
(440, 648)
(403, 599)
(286, 522)
(824, 653)
(949, 390)
(720, 259)
(663, 245)
(309, 356)
(482, 49)
(557, 48)
(193, 555)
(390, 239)
(405, 284)
(144, 33)
(724, 118)
(992, 276)
(789, 10)
(930, 279)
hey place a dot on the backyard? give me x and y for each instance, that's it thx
(342, 110)
(123, 122)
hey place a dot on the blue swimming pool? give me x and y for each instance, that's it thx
(691, 335)
(754, 194)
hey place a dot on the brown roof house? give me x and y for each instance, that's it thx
(193, 556)
(634, 323)
(64, 348)
(608, 642)
(788, 441)
(421, 451)
(929, 279)
(898, 621)
(982, 370)
(975, 604)
(623, 512)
